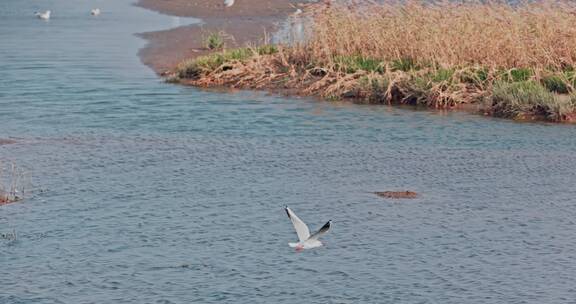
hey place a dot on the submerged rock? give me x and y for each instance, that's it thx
(397, 194)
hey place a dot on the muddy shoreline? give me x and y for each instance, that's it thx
(246, 22)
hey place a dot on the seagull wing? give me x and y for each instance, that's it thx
(322, 231)
(301, 228)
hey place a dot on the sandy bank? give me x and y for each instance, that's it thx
(248, 21)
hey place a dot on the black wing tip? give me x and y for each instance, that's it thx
(287, 212)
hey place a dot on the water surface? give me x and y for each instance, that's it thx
(147, 192)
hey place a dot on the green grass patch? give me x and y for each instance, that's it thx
(353, 64)
(555, 83)
(442, 75)
(476, 76)
(516, 75)
(561, 83)
(194, 68)
(267, 49)
(516, 100)
(214, 41)
(404, 64)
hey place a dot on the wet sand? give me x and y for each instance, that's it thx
(246, 22)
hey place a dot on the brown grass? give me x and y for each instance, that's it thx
(539, 35)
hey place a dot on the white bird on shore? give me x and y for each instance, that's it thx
(306, 241)
(45, 15)
(95, 12)
(228, 3)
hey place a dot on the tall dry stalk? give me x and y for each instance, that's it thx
(12, 182)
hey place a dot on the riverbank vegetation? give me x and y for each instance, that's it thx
(515, 61)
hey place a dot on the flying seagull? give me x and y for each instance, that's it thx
(306, 241)
(228, 3)
(45, 15)
(95, 12)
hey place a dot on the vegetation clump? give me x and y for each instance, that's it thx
(214, 41)
(220, 61)
(517, 61)
(529, 99)
(12, 181)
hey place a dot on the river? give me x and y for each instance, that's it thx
(147, 192)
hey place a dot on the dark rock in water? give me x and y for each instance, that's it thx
(397, 194)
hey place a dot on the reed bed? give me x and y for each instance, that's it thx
(536, 35)
(517, 61)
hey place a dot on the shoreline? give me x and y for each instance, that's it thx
(244, 23)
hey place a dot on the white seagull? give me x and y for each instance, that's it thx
(45, 15)
(306, 241)
(228, 3)
(95, 12)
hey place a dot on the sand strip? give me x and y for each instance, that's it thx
(246, 22)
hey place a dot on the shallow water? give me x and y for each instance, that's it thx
(147, 192)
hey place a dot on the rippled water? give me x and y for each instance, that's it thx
(154, 193)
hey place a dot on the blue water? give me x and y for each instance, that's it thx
(146, 192)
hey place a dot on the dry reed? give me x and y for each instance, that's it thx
(12, 182)
(494, 34)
